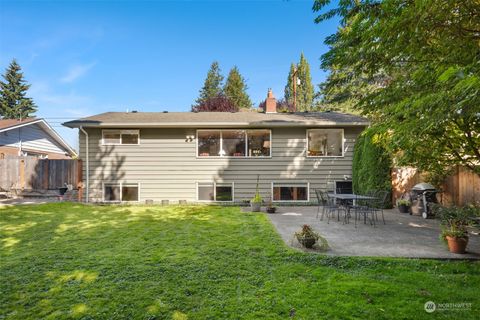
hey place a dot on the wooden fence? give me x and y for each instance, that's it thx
(30, 173)
(462, 187)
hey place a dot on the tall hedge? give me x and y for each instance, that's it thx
(371, 165)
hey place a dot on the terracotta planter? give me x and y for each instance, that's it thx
(403, 208)
(307, 242)
(256, 206)
(457, 245)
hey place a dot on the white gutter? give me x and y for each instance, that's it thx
(88, 164)
(259, 124)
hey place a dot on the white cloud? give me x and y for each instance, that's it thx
(76, 71)
(45, 96)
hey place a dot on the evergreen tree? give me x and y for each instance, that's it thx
(212, 86)
(305, 88)
(289, 87)
(305, 91)
(235, 89)
(13, 101)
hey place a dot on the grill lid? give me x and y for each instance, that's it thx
(423, 186)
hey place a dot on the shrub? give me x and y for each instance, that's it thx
(371, 165)
(455, 220)
(306, 233)
(403, 202)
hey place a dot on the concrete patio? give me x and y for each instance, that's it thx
(403, 235)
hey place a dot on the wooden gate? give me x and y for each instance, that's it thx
(30, 173)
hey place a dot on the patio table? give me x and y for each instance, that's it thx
(349, 196)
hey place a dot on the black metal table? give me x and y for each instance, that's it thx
(349, 196)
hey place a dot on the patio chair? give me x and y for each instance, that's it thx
(365, 208)
(335, 206)
(328, 205)
(379, 203)
(322, 202)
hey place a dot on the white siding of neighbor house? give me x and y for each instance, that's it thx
(166, 166)
(32, 137)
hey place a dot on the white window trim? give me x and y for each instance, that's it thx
(120, 184)
(120, 144)
(215, 191)
(221, 145)
(293, 184)
(343, 143)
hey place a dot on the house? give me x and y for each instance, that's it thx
(216, 156)
(32, 137)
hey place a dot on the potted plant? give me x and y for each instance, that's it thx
(455, 221)
(271, 208)
(306, 236)
(256, 202)
(403, 205)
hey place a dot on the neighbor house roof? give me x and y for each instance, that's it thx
(11, 124)
(7, 123)
(218, 119)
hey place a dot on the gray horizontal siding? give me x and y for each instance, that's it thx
(33, 137)
(166, 165)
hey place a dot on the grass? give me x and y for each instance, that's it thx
(63, 261)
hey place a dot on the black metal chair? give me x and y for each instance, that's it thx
(322, 203)
(328, 205)
(338, 206)
(381, 200)
(365, 208)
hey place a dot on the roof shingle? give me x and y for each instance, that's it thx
(217, 119)
(7, 123)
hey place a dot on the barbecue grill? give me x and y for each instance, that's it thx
(422, 196)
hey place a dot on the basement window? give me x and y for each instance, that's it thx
(212, 191)
(292, 191)
(120, 137)
(120, 192)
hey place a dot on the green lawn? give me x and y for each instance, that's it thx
(206, 262)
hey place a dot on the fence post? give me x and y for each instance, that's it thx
(21, 169)
(46, 174)
(80, 180)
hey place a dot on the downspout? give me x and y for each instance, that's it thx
(88, 163)
(20, 146)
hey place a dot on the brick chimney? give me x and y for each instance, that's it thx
(270, 103)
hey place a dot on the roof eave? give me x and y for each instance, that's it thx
(215, 124)
(22, 124)
(54, 134)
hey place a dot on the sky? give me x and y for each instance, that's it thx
(88, 57)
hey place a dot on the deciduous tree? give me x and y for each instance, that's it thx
(219, 103)
(423, 57)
